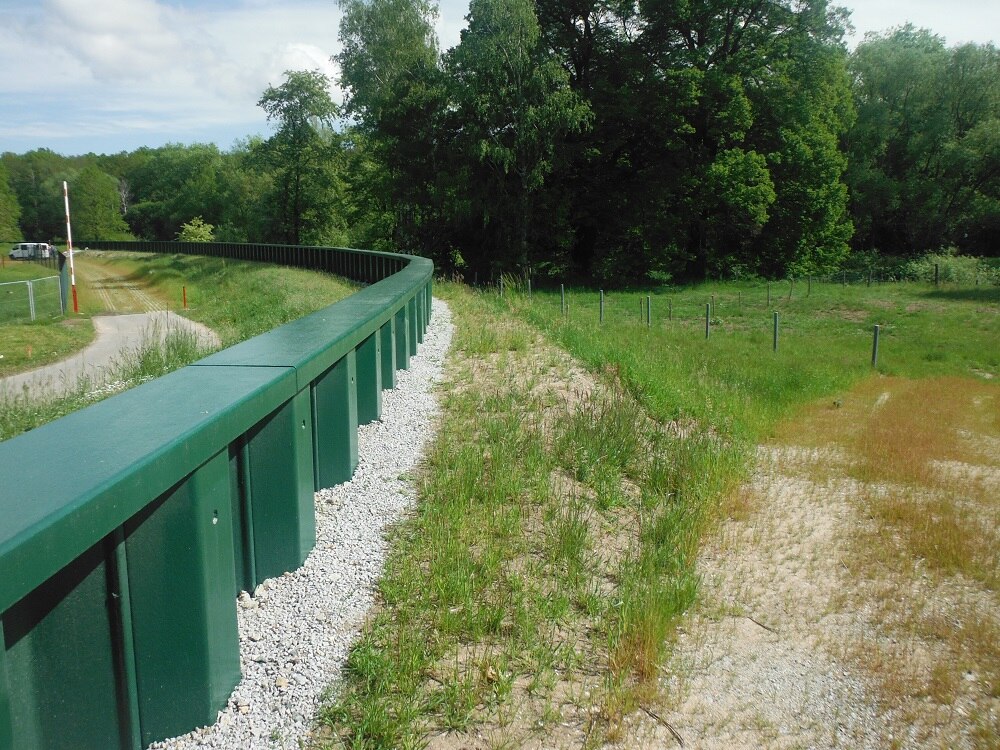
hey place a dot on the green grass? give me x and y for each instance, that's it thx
(236, 299)
(734, 380)
(551, 554)
(553, 548)
(24, 346)
(13, 270)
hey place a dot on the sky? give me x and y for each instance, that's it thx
(104, 76)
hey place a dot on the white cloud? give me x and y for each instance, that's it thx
(122, 40)
(451, 21)
(144, 66)
(959, 21)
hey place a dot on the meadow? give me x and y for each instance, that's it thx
(534, 596)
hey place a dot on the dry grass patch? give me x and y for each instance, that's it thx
(927, 557)
(850, 593)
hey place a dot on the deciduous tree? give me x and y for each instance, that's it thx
(515, 105)
(406, 174)
(303, 155)
(196, 230)
(96, 207)
(922, 152)
(10, 209)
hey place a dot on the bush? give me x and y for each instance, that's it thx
(952, 268)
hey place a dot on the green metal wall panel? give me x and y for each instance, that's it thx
(369, 359)
(402, 335)
(412, 326)
(117, 456)
(181, 584)
(421, 300)
(335, 405)
(62, 679)
(280, 458)
(387, 335)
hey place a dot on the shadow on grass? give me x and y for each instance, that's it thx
(968, 294)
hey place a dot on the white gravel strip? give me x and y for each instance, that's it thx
(295, 632)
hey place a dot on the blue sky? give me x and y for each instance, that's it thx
(113, 75)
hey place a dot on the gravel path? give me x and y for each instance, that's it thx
(115, 335)
(296, 631)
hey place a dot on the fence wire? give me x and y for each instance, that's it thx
(39, 299)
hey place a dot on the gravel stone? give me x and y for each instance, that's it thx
(296, 630)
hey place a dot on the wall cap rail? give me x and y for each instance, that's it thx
(181, 491)
(137, 440)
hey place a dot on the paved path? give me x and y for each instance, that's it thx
(116, 334)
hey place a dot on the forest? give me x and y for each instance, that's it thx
(615, 141)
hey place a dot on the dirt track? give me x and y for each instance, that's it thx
(116, 293)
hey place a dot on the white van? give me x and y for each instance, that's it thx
(32, 251)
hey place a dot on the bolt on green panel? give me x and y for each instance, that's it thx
(335, 409)
(181, 582)
(369, 361)
(387, 337)
(280, 489)
(402, 335)
(411, 319)
(63, 683)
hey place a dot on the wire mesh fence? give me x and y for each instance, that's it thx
(39, 299)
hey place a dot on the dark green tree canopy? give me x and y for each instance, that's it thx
(95, 206)
(922, 153)
(10, 209)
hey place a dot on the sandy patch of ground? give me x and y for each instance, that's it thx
(751, 667)
(817, 628)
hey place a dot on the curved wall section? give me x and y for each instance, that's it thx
(121, 559)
